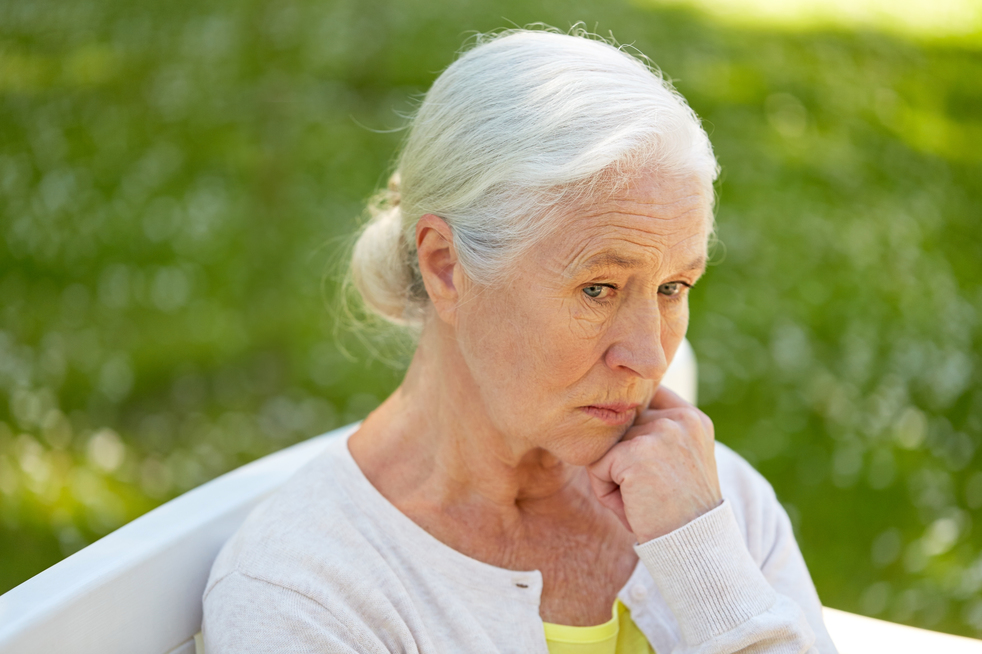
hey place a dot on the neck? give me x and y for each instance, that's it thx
(433, 442)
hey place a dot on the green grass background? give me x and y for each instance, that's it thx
(177, 180)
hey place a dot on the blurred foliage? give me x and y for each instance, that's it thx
(956, 21)
(177, 180)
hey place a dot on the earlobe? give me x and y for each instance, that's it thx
(438, 264)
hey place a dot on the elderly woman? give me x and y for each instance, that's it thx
(529, 487)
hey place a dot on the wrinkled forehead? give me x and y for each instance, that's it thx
(654, 218)
(660, 195)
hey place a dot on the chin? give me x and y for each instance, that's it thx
(586, 450)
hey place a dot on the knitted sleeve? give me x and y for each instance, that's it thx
(734, 578)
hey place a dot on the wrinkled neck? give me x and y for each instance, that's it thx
(434, 441)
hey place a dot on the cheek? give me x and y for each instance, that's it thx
(674, 324)
(565, 335)
(526, 345)
(495, 333)
(587, 323)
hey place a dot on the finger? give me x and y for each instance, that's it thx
(603, 489)
(666, 398)
(707, 425)
(651, 415)
(609, 495)
(601, 473)
(606, 491)
(673, 413)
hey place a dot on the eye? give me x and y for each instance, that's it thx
(672, 289)
(596, 291)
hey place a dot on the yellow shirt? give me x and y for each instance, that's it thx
(619, 635)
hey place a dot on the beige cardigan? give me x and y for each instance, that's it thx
(328, 565)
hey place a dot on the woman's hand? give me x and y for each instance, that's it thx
(662, 474)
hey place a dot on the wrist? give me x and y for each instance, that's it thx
(645, 533)
(707, 576)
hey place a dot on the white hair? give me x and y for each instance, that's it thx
(514, 133)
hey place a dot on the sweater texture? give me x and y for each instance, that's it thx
(327, 565)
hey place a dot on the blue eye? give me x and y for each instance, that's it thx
(594, 291)
(671, 289)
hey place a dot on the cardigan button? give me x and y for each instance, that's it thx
(638, 593)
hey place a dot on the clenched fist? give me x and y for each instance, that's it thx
(662, 474)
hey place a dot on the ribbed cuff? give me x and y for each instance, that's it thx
(707, 576)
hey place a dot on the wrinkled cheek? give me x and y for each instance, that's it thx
(488, 346)
(525, 357)
(673, 331)
(499, 353)
(564, 355)
(517, 381)
(584, 326)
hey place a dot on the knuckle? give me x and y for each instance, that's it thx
(697, 421)
(691, 417)
(644, 446)
(664, 424)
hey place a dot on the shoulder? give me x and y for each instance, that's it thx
(246, 615)
(304, 560)
(756, 508)
(307, 537)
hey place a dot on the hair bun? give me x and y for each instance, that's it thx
(380, 266)
(393, 194)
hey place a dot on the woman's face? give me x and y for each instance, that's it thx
(568, 349)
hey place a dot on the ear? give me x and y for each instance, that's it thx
(438, 265)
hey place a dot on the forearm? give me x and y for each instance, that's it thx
(718, 594)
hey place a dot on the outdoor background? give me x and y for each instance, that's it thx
(177, 181)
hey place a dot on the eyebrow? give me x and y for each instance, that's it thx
(610, 260)
(606, 260)
(699, 263)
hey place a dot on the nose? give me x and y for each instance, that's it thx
(637, 345)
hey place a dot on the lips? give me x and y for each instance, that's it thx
(612, 414)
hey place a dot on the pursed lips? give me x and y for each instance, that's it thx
(613, 413)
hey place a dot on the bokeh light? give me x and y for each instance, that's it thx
(177, 181)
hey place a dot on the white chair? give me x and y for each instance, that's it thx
(138, 590)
